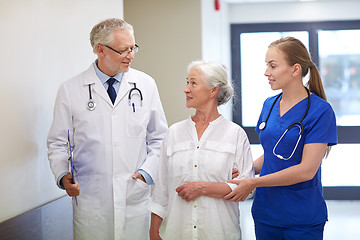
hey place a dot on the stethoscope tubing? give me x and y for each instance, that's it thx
(299, 124)
(91, 105)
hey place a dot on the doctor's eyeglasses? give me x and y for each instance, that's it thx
(126, 51)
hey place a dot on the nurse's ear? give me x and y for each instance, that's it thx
(297, 70)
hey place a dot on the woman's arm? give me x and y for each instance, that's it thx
(155, 226)
(192, 190)
(313, 154)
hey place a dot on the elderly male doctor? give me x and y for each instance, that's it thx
(116, 124)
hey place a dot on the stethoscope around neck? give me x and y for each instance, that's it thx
(91, 105)
(299, 124)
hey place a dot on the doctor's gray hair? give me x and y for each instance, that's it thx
(215, 75)
(102, 33)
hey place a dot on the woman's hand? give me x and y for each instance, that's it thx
(190, 191)
(235, 173)
(240, 193)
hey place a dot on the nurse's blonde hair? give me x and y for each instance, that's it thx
(296, 52)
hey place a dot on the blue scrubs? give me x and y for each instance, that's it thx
(301, 204)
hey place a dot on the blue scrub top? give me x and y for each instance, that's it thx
(301, 204)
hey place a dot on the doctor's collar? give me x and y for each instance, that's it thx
(103, 77)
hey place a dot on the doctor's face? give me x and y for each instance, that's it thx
(197, 90)
(110, 61)
(278, 71)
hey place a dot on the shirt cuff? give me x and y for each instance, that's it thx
(147, 177)
(231, 185)
(58, 182)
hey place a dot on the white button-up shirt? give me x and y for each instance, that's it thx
(222, 147)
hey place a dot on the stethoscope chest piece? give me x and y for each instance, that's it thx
(262, 125)
(91, 105)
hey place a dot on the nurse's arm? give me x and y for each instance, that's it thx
(313, 154)
(258, 164)
(192, 190)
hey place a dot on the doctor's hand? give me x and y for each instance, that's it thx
(240, 193)
(190, 191)
(72, 189)
(137, 175)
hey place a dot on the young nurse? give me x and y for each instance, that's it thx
(288, 202)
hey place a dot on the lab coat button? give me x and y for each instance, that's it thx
(197, 147)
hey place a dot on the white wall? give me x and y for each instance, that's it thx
(43, 43)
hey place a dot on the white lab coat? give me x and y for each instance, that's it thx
(109, 145)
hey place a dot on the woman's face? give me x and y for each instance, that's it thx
(278, 71)
(197, 91)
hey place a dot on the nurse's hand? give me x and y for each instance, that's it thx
(137, 175)
(240, 193)
(72, 189)
(190, 191)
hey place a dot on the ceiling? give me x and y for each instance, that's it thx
(268, 1)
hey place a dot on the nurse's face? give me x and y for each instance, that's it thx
(278, 71)
(111, 62)
(197, 91)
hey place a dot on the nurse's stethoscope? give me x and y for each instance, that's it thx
(299, 124)
(91, 105)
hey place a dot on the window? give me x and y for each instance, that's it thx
(335, 50)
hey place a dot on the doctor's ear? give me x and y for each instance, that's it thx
(100, 49)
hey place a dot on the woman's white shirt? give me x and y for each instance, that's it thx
(222, 147)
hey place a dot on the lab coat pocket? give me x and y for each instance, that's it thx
(219, 159)
(136, 122)
(138, 195)
(180, 159)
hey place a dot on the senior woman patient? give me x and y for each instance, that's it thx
(197, 158)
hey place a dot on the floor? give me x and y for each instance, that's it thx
(343, 224)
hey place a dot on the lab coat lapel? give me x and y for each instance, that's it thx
(97, 86)
(124, 89)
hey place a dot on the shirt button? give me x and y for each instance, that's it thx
(195, 165)
(194, 226)
(194, 206)
(197, 147)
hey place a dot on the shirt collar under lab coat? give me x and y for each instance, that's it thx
(103, 77)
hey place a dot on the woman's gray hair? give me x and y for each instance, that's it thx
(102, 33)
(215, 75)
